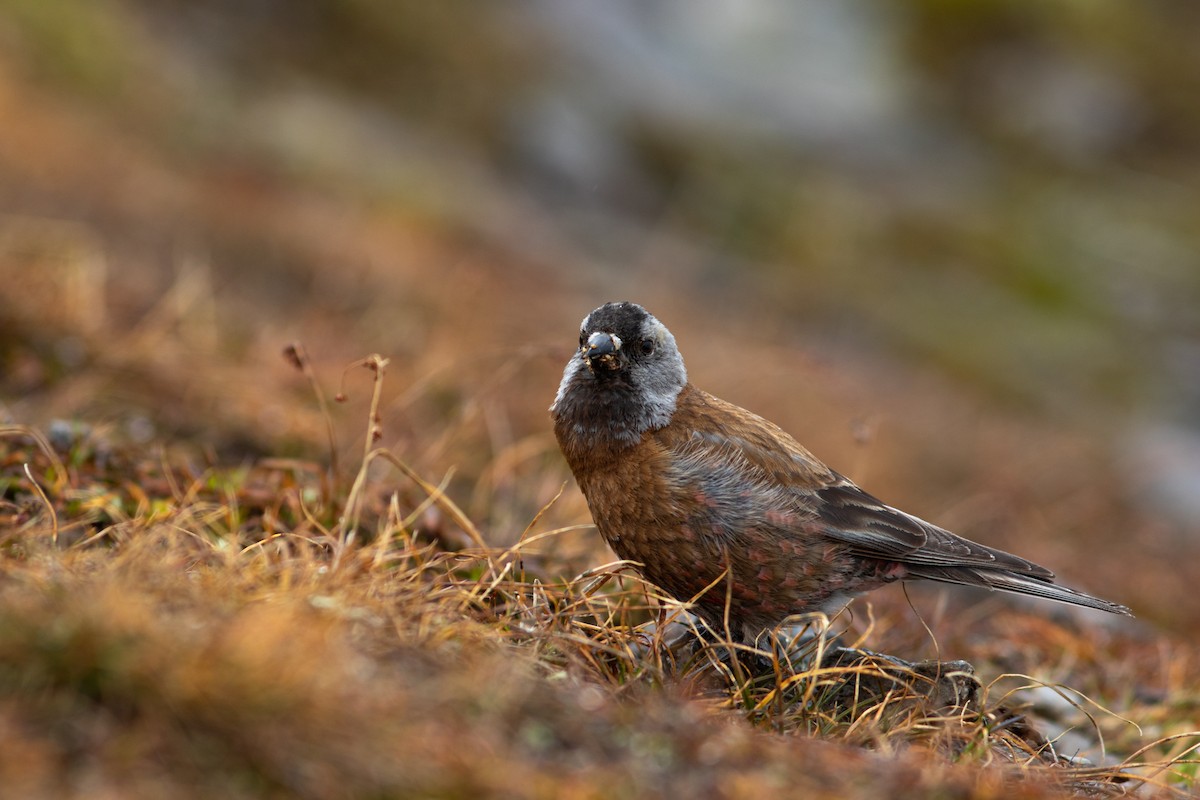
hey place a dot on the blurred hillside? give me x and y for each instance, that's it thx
(950, 246)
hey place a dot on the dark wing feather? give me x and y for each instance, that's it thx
(876, 530)
(847, 514)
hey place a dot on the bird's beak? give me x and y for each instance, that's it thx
(601, 350)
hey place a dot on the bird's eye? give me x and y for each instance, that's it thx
(647, 346)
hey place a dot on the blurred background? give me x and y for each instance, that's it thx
(953, 247)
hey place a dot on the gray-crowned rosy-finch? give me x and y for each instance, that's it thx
(724, 508)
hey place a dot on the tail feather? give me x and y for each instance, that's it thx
(1004, 581)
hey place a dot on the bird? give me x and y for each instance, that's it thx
(724, 510)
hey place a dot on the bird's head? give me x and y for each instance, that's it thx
(626, 373)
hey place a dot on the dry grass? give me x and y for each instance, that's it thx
(267, 631)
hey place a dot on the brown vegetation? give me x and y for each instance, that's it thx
(270, 631)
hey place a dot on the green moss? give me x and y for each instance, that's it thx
(87, 46)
